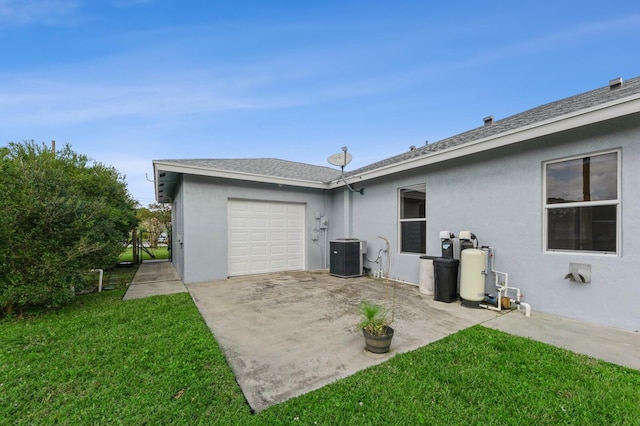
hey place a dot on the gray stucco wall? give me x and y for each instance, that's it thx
(204, 202)
(498, 196)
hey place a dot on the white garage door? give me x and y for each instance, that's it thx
(265, 237)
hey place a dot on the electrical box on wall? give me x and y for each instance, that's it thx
(324, 222)
(346, 257)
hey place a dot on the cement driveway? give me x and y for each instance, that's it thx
(289, 333)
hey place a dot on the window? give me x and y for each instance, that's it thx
(582, 203)
(413, 222)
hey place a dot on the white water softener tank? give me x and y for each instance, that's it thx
(473, 266)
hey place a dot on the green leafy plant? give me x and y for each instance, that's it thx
(374, 318)
(62, 215)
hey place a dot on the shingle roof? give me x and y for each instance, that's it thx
(264, 167)
(535, 115)
(276, 168)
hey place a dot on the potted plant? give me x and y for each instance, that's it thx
(375, 327)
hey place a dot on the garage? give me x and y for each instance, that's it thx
(265, 236)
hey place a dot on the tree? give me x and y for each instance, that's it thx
(154, 220)
(62, 214)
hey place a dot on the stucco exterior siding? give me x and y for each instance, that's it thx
(205, 222)
(498, 196)
(489, 180)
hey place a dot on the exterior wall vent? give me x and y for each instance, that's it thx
(488, 120)
(616, 83)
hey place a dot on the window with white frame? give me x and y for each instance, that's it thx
(582, 203)
(413, 222)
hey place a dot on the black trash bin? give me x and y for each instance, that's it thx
(445, 277)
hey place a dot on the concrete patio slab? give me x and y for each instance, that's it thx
(154, 278)
(289, 333)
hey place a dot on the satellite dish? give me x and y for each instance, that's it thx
(340, 159)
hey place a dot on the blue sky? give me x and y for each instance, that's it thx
(130, 81)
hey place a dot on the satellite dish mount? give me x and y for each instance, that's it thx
(341, 159)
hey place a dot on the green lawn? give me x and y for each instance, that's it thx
(154, 361)
(159, 253)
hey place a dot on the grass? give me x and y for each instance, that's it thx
(154, 361)
(159, 253)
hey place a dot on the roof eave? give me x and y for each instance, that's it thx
(227, 174)
(595, 114)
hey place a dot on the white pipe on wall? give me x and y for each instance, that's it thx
(505, 287)
(527, 308)
(99, 278)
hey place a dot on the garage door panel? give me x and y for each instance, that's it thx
(277, 265)
(293, 222)
(277, 251)
(277, 236)
(258, 237)
(294, 237)
(294, 248)
(265, 237)
(257, 267)
(277, 223)
(239, 237)
(238, 222)
(259, 222)
(278, 208)
(257, 207)
(239, 268)
(239, 251)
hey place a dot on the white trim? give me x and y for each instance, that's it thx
(236, 175)
(415, 187)
(612, 202)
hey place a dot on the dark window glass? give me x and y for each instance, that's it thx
(414, 237)
(593, 178)
(413, 225)
(582, 228)
(412, 203)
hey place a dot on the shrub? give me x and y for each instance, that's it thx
(62, 214)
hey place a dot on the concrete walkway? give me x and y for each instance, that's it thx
(287, 334)
(608, 344)
(154, 278)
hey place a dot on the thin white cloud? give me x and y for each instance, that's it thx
(146, 86)
(128, 3)
(557, 40)
(28, 12)
(163, 80)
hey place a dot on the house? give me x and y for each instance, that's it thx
(549, 187)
